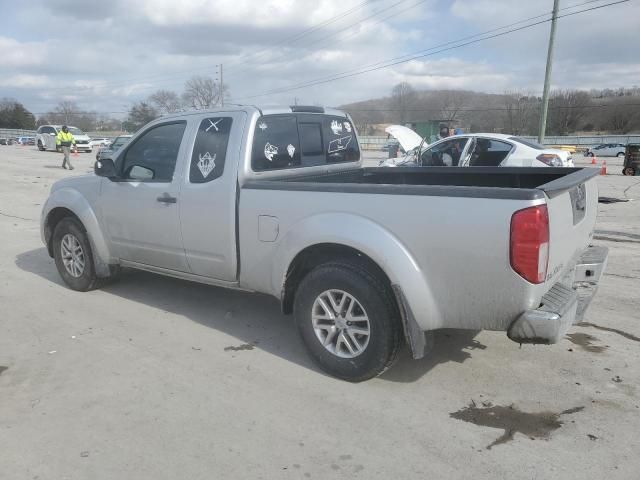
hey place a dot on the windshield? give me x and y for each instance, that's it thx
(75, 131)
(118, 142)
(528, 143)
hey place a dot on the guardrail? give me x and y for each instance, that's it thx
(16, 132)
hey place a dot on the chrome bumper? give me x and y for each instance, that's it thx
(562, 306)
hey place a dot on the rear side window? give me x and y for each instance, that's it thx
(210, 149)
(275, 143)
(303, 140)
(489, 153)
(340, 140)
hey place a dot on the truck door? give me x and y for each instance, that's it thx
(140, 212)
(208, 196)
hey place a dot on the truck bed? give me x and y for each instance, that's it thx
(519, 183)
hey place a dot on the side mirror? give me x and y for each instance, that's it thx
(105, 168)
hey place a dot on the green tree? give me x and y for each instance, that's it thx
(14, 115)
(140, 114)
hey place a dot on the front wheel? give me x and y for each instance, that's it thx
(348, 321)
(73, 256)
(629, 171)
(620, 154)
(40, 146)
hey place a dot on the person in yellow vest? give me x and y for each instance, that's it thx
(65, 139)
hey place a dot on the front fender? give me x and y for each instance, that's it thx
(369, 238)
(72, 200)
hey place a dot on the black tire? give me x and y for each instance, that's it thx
(629, 171)
(620, 154)
(88, 280)
(385, 337)
(40, 147)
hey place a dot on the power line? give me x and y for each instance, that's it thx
(419, 54)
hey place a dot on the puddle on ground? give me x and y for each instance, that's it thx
(2, 369)
(244, 346)
(512, 421)
(612, 330)
(584, 341)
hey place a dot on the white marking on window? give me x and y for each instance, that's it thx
(206, 164)
(213, 124)
(270, 151)
(336, 127)
(339, 144)
(262, 126)
(347, 127)
(291, 150)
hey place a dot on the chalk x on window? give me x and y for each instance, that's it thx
(270, 151)
(291, 150)
(339, 144)
(262, 126)
(336, 127)
(206, 163)
(213, 125)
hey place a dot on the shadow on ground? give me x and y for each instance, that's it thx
(254, 319)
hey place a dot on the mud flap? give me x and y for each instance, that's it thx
(419, 341)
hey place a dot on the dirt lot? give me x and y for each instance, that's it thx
(156, 378)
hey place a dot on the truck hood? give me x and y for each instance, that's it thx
(78, 182)
(408, 138)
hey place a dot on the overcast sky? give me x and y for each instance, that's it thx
(107, 54)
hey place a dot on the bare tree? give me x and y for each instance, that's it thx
(403, 97)
(619, 117)
(202, 92)
(519, 108)
(450, 103)
(566, 109)
(166, 101)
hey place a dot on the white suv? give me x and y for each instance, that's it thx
(46, 138)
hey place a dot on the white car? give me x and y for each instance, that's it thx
(100, 142)
(475, 150)
(46, 138)
(607, 150)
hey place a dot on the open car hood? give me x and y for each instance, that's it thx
(408, 138)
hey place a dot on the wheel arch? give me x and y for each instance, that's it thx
(69, 203)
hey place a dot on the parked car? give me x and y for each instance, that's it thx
(112, 147)
(25, 141)
(606, 150)
(100, 142)
(480, 150)
(362, 257)
(46, 138)
(3, 141)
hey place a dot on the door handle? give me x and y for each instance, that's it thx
(166, 198)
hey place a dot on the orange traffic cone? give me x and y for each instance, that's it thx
(603, 169)
(594, 160)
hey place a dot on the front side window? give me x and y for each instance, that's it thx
(445, 154)
(210, 149)
(153, 156)
(275, 143)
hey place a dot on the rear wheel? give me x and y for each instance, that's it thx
(629, 171)
(620, 154)
(348, 321)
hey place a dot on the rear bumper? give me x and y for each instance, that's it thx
(562, 306)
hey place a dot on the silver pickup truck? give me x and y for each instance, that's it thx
(277, 201)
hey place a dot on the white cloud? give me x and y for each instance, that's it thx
(25, 81)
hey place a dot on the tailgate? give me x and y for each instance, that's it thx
(572, 203)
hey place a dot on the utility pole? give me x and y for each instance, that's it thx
(221, 87)
(547, 73)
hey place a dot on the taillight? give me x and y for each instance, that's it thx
(530, 243)
(550, 159)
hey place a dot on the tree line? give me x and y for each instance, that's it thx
(514, 112)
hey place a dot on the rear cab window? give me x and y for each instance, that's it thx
(284, 141)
